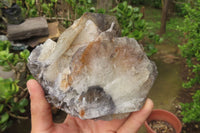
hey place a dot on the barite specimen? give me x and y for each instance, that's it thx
(92, 73)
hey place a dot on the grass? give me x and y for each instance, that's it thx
(172, 36)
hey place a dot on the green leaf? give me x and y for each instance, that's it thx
(8, 88)
(4, 118)
(92, 9)
(32, 2)
(125, 4)
(1, 107)
(22, 110)
(89, 1)
(23, 102)
(24, 54)
(54, 1)
(45, 7)
(4, 45)
(33, 12)
(10, 56)
(161, 40)
(5, 125)
(130, 10)
(136, 10)
(151, 35)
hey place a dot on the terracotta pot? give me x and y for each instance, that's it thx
(164, 115)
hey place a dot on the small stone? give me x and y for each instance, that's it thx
(179, 112)
(30, 27)
(178, 107)
(5, 74)
(18, 46)
(3, 38)
(91, 72)
(191, 93)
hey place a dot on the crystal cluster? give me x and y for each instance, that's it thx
(91, 72)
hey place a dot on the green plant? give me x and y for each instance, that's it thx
(11, 61)
(32, 9)
(152, 40)
(156, 3)
(83, 6)
(133, 26)
(190, 111)
(152, 3)
(10, 104)
(180, 8)
(130, 20)
(48, 8)
(78, 7)
(190, 50)
(13, 98)
(28, 7)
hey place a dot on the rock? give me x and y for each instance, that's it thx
(30, 27)
(13, 14)
(53, 34)
(92, 73)
(5, 74)
(14, 45)
(18, 46)
(3, 38)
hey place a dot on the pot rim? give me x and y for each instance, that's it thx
(168, 113)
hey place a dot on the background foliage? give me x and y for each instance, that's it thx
(134, 26)
(13, 98)
(191, 51)
(190, 111)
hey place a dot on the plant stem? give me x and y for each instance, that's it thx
(9, 106)
(28, 8)
(18, 117)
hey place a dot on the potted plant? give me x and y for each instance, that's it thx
(162, 121)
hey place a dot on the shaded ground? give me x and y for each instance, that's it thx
(168, 83)
(168, 53)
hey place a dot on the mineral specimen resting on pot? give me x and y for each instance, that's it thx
(91, 72)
